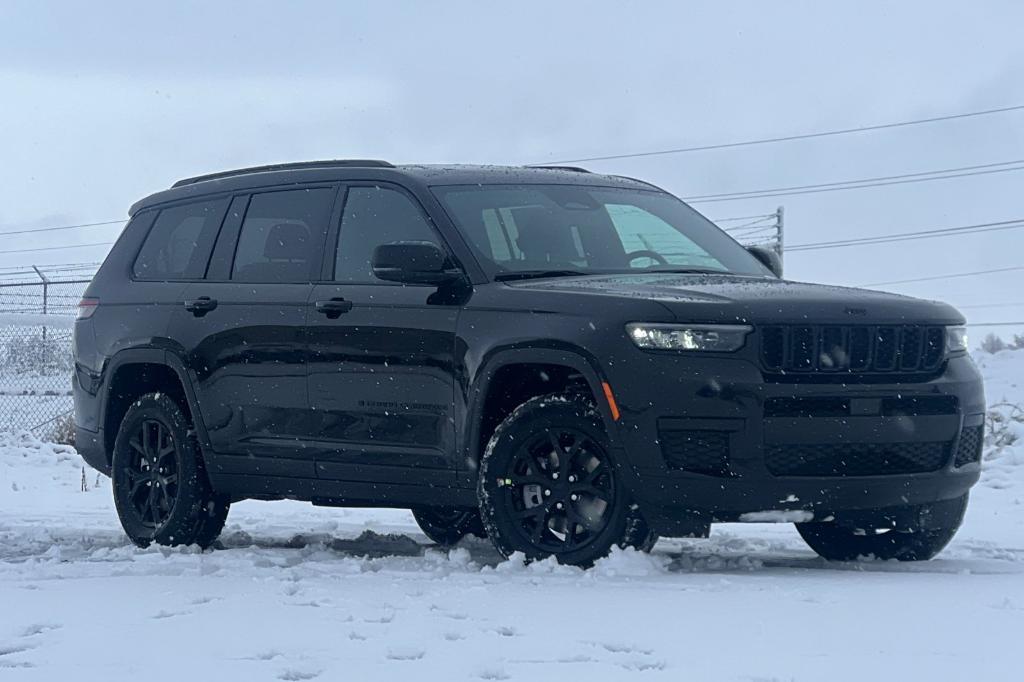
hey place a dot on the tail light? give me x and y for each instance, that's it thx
(86, 307)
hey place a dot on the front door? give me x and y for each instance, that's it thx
(244, 331)
(381, 363)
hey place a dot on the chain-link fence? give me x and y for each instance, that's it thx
(36, 321)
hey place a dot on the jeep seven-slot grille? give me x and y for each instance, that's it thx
(862, 349)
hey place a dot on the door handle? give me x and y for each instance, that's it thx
(201, 305)
(334, 307)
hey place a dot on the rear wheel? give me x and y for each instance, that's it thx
(840, 542)
(447, 525)
(161, 491)
(548, 485)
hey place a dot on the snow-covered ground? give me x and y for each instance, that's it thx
(302, 593)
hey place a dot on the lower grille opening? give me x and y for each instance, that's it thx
(855, 459)
(919, 406)
(824, 406)
(699, 452)
(807, 407)
(969, 449)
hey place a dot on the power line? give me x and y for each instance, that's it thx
(863, 184)
(57, 248)
(919, 174)
(752, 227)
(788, 138)
(936, 277)
(992, 305)
(1014, 224)
(742, 217)
(994, 324)
(61, 227)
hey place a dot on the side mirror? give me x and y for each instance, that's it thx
(768, 258)
(413, 263)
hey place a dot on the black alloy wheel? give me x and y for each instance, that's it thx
(152, 473)
(560, 488)
(161, 489)
(548, 485)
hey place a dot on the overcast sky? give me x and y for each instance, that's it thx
(103, 106)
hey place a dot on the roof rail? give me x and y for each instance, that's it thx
(574, 169)
(642, 182)
(336, 163)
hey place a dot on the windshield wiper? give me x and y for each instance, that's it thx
(536, 274)
(689, 271)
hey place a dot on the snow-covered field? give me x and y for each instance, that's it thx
(302, 593)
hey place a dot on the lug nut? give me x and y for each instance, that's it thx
(558, 505)
(547, 493)
(572, 479)
(574, 497)
(555, 476)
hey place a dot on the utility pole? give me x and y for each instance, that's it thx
(780, 223)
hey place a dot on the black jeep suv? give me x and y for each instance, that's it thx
(559, 360)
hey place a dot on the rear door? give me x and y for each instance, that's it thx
(381, 366)
(243, 330)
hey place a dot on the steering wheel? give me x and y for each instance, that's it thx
(646, 253)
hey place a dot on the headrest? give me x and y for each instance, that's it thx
(287, 241)
(542, 237)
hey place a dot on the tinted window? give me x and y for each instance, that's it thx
(527, 228)
(643, 232)
(375, 216)
(178, 246)
(282, 236)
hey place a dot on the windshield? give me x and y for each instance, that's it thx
(553, 230)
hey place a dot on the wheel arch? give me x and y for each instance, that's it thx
(148, 370)
(489, 380)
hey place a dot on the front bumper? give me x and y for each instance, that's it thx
(658, 393)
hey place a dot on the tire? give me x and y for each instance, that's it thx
(447, 525)
(169, 503)
(535, 501)
(837, 542)
(638, 534)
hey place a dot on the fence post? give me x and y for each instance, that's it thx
(46, 294)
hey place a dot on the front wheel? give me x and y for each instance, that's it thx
(161, 491)
(839, 542)
(548, 485)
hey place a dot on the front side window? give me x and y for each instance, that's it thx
(178, 245)
(282, 235)
(591, 230)
(373, 216)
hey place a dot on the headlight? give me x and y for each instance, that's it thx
(956, 339)
(721, 338)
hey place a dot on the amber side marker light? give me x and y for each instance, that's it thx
(611, 400)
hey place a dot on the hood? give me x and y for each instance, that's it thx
(734, 298)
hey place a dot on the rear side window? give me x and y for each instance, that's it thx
(179, 244)
(282, 235)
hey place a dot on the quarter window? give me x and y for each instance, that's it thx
(179, 244)
(375, 216)
(282, 235)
